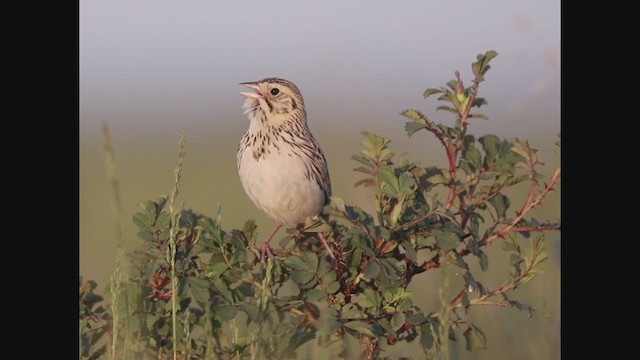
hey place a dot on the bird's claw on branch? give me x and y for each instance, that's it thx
(265, 251)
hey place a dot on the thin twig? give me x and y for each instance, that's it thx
(491, 236)
(529, 204)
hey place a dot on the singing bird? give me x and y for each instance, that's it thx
(280, 163)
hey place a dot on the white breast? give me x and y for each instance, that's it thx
(277, 183)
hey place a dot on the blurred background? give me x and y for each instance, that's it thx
(149, 69)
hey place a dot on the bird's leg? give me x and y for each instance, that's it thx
(324, 241)
(265, 249)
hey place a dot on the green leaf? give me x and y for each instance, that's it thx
(472, 154)
(328, 277)
(210, 227)
(370, 299)
(362, 159)
(431, 91)
(386, 326)
(251, 310)
(338, 203)
(507, 158)
(480, 67)
(427, 335)
(328, 325)
(466, 167)
(473, 246)
(447, 240)
(459, 261)
(372, 269)
(515, 259)
(469, 280)
(416, 116)
(301, 276)
(386, 176)
(312, 225)
(323, 268)
(315, 295)
(490, 55)
(388, 246)
(311, 259)
(249, 228)
(406, 183)
(479, 102)
(476, 340)
(397, 321)
(475, 69)
(224, 313)
(490, 144)
(447, 108)
(199, 291)
(405, 305)
(360, 327)
(215, 269)
(162, 220)
(479, 116)
(145, 235)
(151, 321)
(501, 203)
(141, 221)
(389, 294)
(396, 212)
(465, 299)
(222, 289)
(416, 319)
(437, 178)
(409, 250)
(182, 287)
(296, 263)
(523, 149)
(484, 261)
(351, 311)
(333, 287)
(391, 268)
(363, 169)
(364, 182)
(412, 127)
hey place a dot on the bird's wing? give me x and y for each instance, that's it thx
(321, 170)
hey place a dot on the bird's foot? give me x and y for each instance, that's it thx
(265, 251)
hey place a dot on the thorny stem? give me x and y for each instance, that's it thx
(451, 155)
(501, 290)
(491, 236)
(528, 205)
(408, 225)
(452, 151)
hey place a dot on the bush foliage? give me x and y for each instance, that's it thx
(198, 291)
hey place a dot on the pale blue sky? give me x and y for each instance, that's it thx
(173, 64)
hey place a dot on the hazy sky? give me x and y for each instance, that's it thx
(178, 63)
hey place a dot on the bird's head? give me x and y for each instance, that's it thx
(275, 100)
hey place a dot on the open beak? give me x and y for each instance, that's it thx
(254, 86)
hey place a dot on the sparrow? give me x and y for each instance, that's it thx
(281, 165)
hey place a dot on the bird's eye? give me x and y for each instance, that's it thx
(275, 91)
